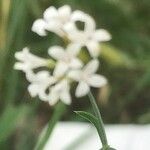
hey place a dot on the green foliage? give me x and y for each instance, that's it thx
(10, 119)
(89, 117)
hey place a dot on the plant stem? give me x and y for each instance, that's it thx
(58, 112)
(101, 131)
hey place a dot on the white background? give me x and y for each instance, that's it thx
(120, 137)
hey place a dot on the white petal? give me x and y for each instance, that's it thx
(35, 61)
(39, 27)
(75, 75)
(65, 12)
(60, 92)
(73, 49)
(82, 89)
(55, 26)
(44, 77)
(91, 67)
(97, 80)
(21, 55)
(70, 27)
(60, 69)
(94, 48)
(101, 35)
(21, 66)
(42, 74)
(33, 90)
(30, 75)
(43, 96)
(88, 20)
(50, 13)
(65, 96)
(89, 25)
(76, 63)
(56, 52)
(65, 92)
(53, 97)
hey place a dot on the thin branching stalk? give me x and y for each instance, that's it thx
(102, 133)
(59, 111)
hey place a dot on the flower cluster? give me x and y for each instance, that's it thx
(64, 63)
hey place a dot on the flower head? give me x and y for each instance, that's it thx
(54, 84)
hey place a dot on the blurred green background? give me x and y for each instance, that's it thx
(125, 62)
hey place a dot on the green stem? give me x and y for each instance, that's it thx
(102, 133)
(59, 111)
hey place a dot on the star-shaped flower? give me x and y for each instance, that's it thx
(89, 36)
(60, 91)
(87, 77)
(53, 20)
(40, 83)
(28, 61)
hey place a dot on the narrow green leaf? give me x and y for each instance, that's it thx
(88, 117)
(16, 30)
(10, 119)
(58, 112)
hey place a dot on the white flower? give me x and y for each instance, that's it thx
(66, 59)
(53, 20)
(89, 37)
(87, 78)
(28, 61)
(40, 83)
(48, 88)
(60, 91)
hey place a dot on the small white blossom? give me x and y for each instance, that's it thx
(89, 37)
(60, 91)
(87, 77)
(48, 88)
(66, 59)
(28, 61)
(53, 20)
(40, 83)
